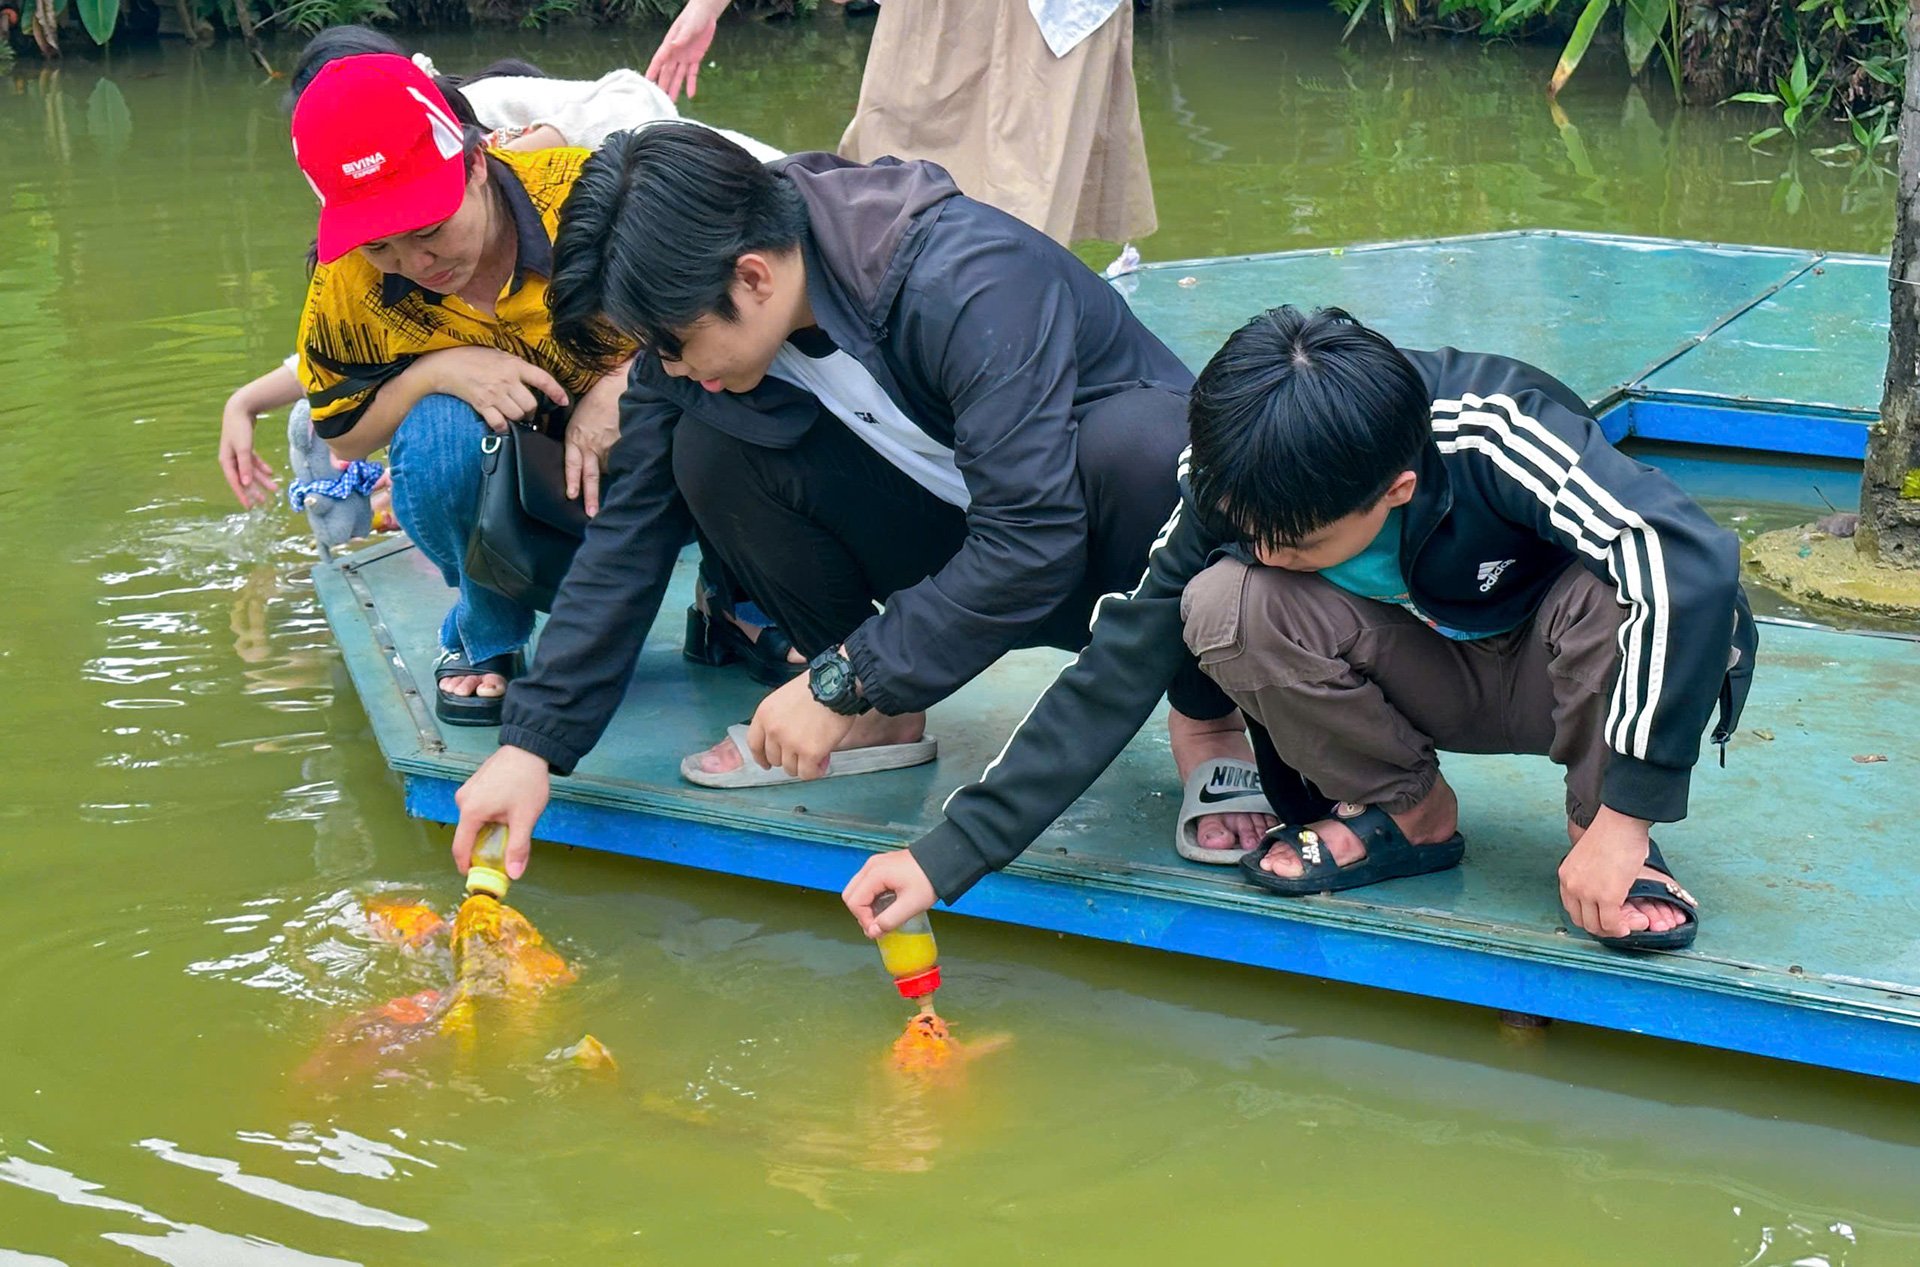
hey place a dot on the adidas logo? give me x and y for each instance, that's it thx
(866, 417)
(1490, 573)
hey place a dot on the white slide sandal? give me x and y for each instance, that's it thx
(1220, 786)
(892, 756)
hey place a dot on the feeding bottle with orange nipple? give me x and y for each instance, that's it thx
(909, 955)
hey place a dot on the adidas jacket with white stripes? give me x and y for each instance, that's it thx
(1518, 483)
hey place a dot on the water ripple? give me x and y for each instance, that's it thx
(323, 1205)
(182, 1244)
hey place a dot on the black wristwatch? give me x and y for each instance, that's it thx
(830, 677)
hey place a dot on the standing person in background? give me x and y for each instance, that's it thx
(1029, 104)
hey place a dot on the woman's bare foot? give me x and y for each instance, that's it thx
(1433, 821)
(870, 730)
(485, 685)
(1193, 742)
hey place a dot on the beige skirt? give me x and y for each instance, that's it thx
(972, 85)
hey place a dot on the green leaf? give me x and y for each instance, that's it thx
(1877, 69)
(1359, 11)
(1577, 43)
(1791, 117)
(1756, 98)
(1799, 82)
(109, 122)
(1645, 22)
(99, 17)
(1763, 136)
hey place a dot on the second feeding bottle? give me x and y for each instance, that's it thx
(910, 956)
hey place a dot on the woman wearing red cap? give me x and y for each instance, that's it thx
(426, 321)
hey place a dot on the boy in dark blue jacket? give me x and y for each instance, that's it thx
(1381, 553)
(862, 389)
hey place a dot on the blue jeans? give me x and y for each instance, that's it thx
(436, 493)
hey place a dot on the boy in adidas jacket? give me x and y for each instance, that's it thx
(1379, 554)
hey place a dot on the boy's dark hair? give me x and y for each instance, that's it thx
(1299, 420)
(650, 235)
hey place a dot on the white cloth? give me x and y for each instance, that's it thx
(586, 111)
(852, 395)
(1064, 23)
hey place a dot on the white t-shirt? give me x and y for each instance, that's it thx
(586, 111)
(852, 395)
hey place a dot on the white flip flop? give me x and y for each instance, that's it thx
(892, 756)
(1220, 786)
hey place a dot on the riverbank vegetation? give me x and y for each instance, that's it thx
(1807, 59)
(44, 25)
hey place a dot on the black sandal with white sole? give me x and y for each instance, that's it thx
(471, 710)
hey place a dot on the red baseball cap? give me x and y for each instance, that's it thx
(380, 147)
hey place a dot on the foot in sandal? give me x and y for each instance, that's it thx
(875, 742)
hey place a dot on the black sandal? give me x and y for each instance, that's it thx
(716, 641)
(1680, 936)
(1390, 856)
(471, 710)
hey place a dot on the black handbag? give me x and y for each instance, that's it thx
(527, 528)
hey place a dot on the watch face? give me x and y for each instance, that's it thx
(832, 677)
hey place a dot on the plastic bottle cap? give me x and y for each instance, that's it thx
(489, 881)
(919, 984)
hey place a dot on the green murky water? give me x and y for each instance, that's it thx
(192, 803)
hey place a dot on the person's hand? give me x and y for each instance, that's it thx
(592, 431)
(1597, 872)
(676, 63)
(795, 731)
(500, 386)
(248, 474)
(897, 872)
(510, 787)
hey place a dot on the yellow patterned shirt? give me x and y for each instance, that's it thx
(361, 327)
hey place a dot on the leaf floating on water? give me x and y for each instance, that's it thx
(1762, 734)
(1870, 758)
(1189, 282)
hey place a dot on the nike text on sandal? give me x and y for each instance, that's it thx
(1222, 786)
(1681, 935)
(892, 756)
(471, 710)
(1389, 856)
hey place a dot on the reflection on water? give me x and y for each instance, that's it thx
(197, 812)
(320, 1204)
(182, 1244)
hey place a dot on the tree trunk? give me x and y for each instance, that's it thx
(244, 17)
(1890, 485)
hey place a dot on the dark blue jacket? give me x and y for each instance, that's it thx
(1517, 484)
(987, 334)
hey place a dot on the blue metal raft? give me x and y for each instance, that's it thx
(1802, 853)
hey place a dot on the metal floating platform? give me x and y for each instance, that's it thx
(1747, 347)
(1801, 852)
